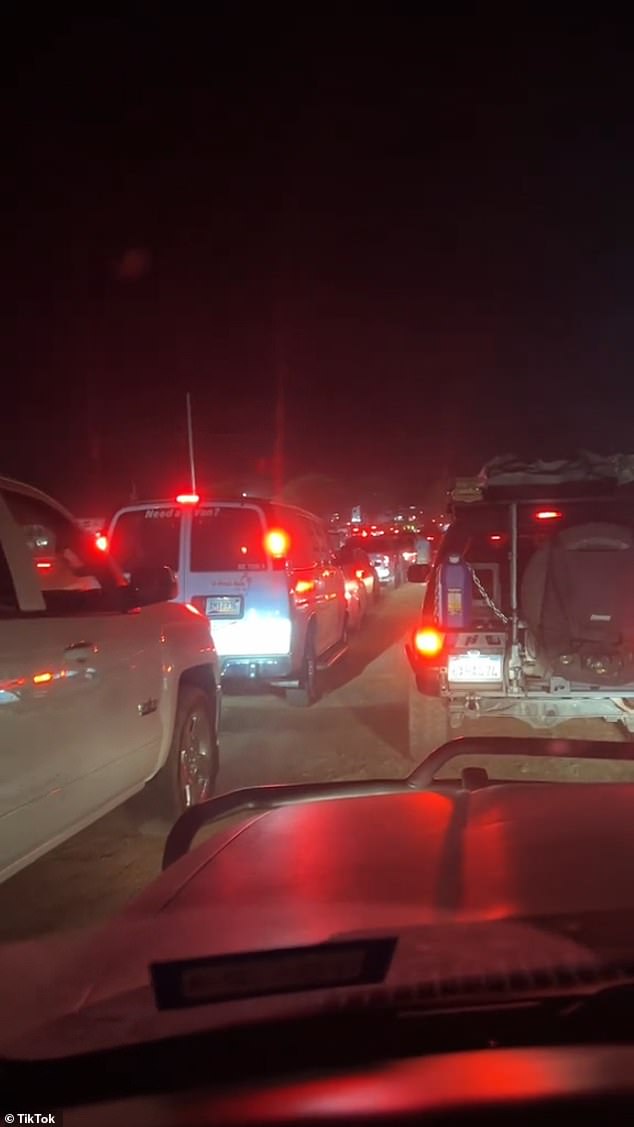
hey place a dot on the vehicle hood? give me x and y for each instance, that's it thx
(468, 884)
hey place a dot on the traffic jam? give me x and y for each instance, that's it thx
(166, 655)
(129, 645)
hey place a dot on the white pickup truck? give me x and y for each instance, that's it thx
(104, 686)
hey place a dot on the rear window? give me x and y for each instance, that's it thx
(227, 539)
(147, 538)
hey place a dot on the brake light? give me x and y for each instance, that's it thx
(187, 499)
(277, 543)
(548, 514)
(101, 542)
(428, 641)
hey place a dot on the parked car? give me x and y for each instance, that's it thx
(264, 575)
(104, 684)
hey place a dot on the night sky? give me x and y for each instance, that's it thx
(429, 230)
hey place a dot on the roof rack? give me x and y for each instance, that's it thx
(467, 490)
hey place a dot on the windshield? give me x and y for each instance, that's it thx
(317, 455)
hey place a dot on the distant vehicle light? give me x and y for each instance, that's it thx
(277, 543)
(187, 499)
(43, 565)
(360, 573)
(42, 678)
(428, 641)
(495, 538)
(101, 542)
(548, 514)
(304, 586)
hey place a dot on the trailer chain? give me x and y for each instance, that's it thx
(487, 598)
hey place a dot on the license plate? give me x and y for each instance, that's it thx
(475, 667)
(224, 606)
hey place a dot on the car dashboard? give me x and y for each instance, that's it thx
(470, 1087)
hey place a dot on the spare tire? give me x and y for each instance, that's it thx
(532, 588)
(596, 537)
(592, 537)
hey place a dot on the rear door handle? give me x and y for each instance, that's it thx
(80, 651)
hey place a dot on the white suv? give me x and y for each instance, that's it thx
(104, 685)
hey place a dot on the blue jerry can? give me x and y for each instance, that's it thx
(455, 593)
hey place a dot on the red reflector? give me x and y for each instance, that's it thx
(187, 499)
(548, 514)
(428, 641)
(277, 543)
(102, 542)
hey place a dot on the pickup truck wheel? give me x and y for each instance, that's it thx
(189, 774)
(308, 690)
(428, 724)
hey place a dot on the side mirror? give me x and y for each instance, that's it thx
(152, 585)
(418, 573)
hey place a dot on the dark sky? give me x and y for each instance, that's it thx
(431, 228)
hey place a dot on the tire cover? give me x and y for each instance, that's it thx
(596, 536)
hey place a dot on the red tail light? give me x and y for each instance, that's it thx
(187, 499)
(428, 641)
(360, 573)
(277, 543)
(101, 542)
(43, 565)
(548, 514)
